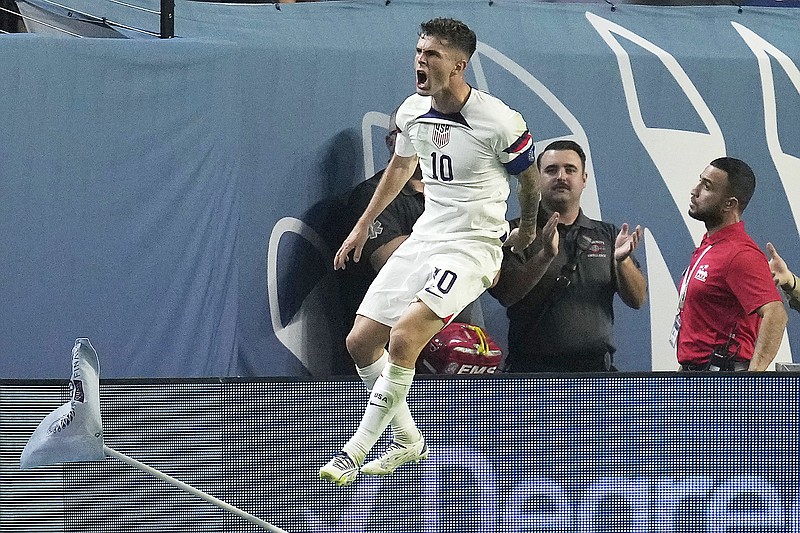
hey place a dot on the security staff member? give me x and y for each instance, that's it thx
(560, 291)
(730, 315)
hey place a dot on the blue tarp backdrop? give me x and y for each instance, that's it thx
(176, 201)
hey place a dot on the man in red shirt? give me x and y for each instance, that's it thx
(728, 304)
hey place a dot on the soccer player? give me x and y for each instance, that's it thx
(467, 142)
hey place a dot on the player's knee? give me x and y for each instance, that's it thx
(362, 348)
(405, 347)
(355, 344)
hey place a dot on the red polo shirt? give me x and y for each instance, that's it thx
(725, 288)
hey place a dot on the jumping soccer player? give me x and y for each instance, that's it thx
(467, 142)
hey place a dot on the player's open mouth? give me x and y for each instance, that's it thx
(422, 79)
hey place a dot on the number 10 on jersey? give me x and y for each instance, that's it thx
(442, 167)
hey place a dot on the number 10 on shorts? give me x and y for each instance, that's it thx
(441, 282)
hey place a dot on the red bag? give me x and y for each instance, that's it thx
(460, 349)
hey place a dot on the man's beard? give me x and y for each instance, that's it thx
(710, 219)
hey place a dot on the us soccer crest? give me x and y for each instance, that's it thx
(440, 135)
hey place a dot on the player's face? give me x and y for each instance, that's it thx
(710, 196)
(563, 177)
(434, 65)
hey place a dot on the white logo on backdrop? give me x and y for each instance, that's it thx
(788, 166)
(679, 174)
(308, 335)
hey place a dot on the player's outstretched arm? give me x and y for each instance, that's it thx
(397, 173)
(517, 275)
(529, 192)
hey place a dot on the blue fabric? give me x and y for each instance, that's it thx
(178, 201)
(120, 207)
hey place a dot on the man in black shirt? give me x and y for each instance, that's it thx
(559, 292)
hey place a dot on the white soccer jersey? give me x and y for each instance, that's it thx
(466, 159)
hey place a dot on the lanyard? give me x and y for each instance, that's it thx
(687, 276)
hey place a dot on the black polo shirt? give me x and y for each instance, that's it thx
(568, 329)
(397, 219)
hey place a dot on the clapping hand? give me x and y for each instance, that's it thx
(781, 274)
(626, 242)
(550, 235)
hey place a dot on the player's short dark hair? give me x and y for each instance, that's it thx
(563, 145)
(456, 33)
(741, 178)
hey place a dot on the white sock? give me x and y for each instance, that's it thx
(404, 429)
(369, 374)
(388, 396)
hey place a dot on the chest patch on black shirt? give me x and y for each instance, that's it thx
(597, 249)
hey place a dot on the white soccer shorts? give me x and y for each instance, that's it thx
(445, 275)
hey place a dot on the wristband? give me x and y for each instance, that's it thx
(794, 285)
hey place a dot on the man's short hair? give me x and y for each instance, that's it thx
(563, 145)
(741, 179)
(456, 33)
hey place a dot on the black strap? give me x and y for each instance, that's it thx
(574, 245)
